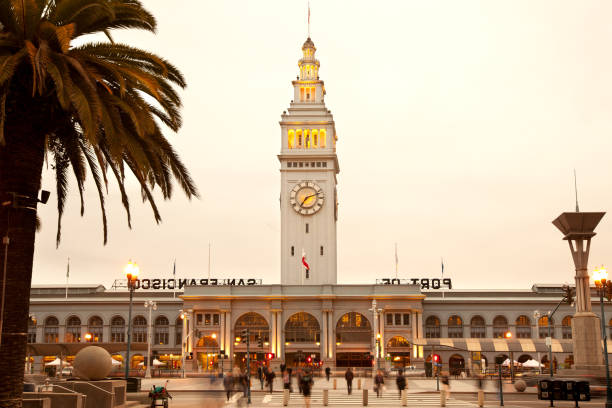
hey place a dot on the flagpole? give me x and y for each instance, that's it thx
(174, 276)
(442, 260)
(67, 276)
(308, 18)
(396, 261)
(208, 260)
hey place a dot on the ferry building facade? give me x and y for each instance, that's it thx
(309, 316)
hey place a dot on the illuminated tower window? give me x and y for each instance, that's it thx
(291, 139)
(299, 138)
(315, 138)
(302, 94)
(323, 134)
(307, 139)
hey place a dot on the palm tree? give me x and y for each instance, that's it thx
(99, 106)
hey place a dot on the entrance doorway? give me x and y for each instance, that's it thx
(354, 360)
(456, 364)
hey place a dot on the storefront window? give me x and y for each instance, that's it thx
(353, 327)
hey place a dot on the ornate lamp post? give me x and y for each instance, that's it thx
(151, 305)
(131, 273)
(604, 286)
(578, 229)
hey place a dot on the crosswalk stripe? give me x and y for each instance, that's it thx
(422, 400)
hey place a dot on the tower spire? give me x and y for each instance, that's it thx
(308, 18)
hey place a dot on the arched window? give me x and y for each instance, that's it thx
(566, 327)
(307, 141)
(315, 138)
(291, 139)
(500, 327)
(302, 328)
(162, 330)
(73, 330)
(398, 341)
(432, 327)
(117, 329)
(51, 330)
(139, 330)
(95, 328)
(353, 327)
(298, 133)
(257, 325)
(543, 324)
(523, 327)
(32, 330)
(455, 327)
(178, 331)
(323, 138)
(477, 327)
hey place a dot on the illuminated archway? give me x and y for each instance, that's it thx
(302, 327)
(257, 325)
(353, 327)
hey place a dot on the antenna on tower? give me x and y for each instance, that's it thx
(576, 191)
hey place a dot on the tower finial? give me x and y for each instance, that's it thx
(576, 191)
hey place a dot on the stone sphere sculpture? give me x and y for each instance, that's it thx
(520, 385)
(92, 363)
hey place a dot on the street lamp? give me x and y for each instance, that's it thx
(604, 286)
(88, 337)
(131, 273)
(377, 351)
(151, 305)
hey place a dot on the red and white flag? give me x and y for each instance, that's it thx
(305, 263)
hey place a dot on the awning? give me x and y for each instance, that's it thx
(502, 346)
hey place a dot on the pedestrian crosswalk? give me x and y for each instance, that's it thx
(356, 398)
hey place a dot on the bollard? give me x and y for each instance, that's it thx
(365, 397)
(359, 383)
(442, 398)
(285, 397)
(325, 397)
(481, 398)
(334, 383)
(404, 398)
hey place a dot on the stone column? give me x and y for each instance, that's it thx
(229, 339)
(106, 333)
(279, 336)
(578, 230)
(420, 334)
(331, 330)
(323, 335)
(222, 340)
(83, 331)
(413, 325)
(382, 334)
(273, 342)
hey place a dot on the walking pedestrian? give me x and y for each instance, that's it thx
(298, 377)
(348, 375)
(445, 385)
(327, 373)
(260, 375)
(286, 381)
(306, 386)
(400, 381)
(379, 381)
(270, 379)
(228, 384)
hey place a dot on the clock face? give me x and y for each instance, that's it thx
(306, 198)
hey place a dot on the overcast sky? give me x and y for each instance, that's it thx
(459, 124)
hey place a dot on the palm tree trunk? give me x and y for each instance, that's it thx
(21, 161)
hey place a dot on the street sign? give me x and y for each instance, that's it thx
(548, 341)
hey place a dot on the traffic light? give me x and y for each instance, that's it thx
(569, 294)
(269, 356)
(309, 359)
(436, 358)
(259, 341)
(244, 336)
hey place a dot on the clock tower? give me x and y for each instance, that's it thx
(308, 166)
